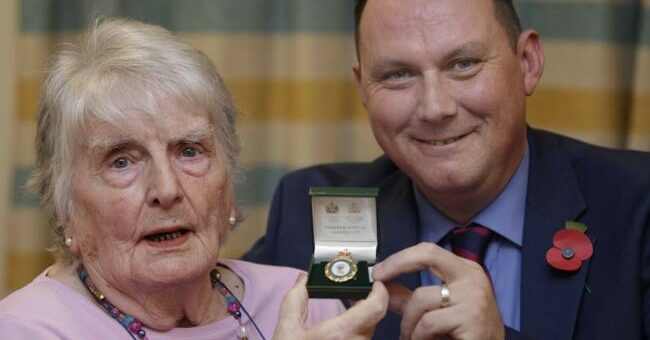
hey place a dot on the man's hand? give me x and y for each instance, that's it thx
(357, 322)
(471, 312)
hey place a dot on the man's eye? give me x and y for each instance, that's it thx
(121, 163)
(189, 152)
(401, 74)
(464, 65)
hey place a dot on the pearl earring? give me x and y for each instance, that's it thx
(232, 220)
(68, 241)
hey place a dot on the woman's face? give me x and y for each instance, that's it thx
(152, 199)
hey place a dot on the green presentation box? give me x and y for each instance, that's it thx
(346, 240)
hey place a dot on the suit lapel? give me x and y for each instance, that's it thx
(549, 298)
(396, 211)
(399, 222)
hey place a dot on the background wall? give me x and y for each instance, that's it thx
(8, 26)
(288, 64)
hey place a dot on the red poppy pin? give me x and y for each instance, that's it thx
(570, 247)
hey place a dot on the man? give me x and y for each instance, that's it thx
(444, 83)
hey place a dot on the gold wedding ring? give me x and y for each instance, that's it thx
(342, 268)
(445, 295)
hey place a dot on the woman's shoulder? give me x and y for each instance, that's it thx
(262, 280)
(46, 308)
(32, 309)
(30, 299)
(263, 270)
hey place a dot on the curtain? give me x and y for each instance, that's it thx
(288, 65)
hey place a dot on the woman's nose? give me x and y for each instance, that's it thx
(164, 187)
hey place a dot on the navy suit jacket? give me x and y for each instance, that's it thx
(607, 190)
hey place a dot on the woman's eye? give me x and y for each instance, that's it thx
(189, 152)
(121, 163)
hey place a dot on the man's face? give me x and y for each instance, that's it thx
(445, 93)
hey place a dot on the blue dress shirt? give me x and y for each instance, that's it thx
(505, 217)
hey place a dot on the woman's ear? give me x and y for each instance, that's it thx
(70, 241)
(531, 55)
(233, 217)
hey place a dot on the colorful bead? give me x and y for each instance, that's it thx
(135, 326)
(242, 332)
(126, 320)
(233, 308)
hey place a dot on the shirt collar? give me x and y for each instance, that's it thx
(505, 215)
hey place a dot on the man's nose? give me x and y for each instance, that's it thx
(435, 100)
(164, 185)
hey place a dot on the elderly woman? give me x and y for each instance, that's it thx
(136, 155)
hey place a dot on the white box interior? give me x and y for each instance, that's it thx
(344, 222)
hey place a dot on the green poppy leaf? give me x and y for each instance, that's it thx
(581, 227)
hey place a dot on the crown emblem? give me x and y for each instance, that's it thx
(354, 208)
(332, 208)
(346, 254)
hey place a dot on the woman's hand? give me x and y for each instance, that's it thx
(357, 322)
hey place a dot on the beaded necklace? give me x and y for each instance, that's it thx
(233, 305)
(133, 326)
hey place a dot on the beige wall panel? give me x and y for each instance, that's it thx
(586, 65)
(237, 55)
(26, 253)
(642, 72)
(302, 144)
(639, 135)
(8, 31)
(242, 238)
(31, 264)
(28, 230)
(591, 115)
(24, 153)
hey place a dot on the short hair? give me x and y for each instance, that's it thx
(504, 11)
(120, 68)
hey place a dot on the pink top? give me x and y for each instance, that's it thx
(47, 309)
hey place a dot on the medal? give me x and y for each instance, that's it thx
(341, 268)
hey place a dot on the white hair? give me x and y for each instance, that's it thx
(120, 68)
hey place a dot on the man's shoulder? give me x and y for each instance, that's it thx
(592, 160)
(579, 147)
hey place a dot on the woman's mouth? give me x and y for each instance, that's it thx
(166, 236)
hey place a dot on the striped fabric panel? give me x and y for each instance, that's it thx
(194, 15)
(23, 267)
(572, 20)
(27, 228)
(242, 238)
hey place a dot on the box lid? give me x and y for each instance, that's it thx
(344, 218)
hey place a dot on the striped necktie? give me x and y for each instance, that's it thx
(471, 242)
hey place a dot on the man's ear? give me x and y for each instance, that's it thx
(531, 55)
(356, 69)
